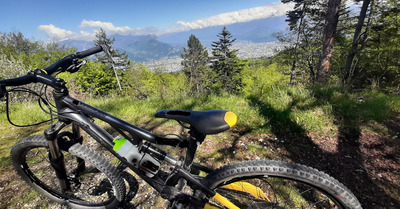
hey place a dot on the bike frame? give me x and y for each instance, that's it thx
(71, 110)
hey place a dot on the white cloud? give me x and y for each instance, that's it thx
(107, 26)
(111, 29)
(56, 33)
(245, 15)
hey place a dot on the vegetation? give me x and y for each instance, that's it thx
(359, 59)
(195, 60)
(226, 66)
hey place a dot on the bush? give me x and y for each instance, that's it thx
(96, 78)
(140, 82)
(260, 79)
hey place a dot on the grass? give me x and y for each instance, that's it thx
(311, 109)
(319, 110)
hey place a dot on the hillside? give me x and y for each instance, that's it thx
(336, 132)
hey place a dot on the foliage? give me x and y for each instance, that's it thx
(195, 58)
(31, 53)
(226, 66)
(19, 54)
(9, 67)
(94, 79)
(15, 43)
(116, 60)
(46, 55)
(259, 79)
(305, 39)
(380, 63)
(140, 82)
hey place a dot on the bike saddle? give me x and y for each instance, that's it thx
(206, 122)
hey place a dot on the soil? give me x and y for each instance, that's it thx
(366, 162)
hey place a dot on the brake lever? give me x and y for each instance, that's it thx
(76, 66)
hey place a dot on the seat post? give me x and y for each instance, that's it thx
(196, 138)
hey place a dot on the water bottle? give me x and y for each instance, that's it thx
(131, 153)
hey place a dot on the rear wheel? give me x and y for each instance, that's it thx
(275, 184)
(96, 184)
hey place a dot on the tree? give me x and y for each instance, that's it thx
(306, 24)
(117, 60)
(379, 64)
(195, 59)
(295, 16)
(10, 68)
(356, 40)
(94, 79)
(328, 41)
(225, 64)
(15, 43)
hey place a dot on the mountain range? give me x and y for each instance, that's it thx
(147, 48)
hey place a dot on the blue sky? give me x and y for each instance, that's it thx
(58, 20)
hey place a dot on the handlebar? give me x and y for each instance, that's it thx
(60, 65)
(65, 62)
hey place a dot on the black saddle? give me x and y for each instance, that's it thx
(205, 122)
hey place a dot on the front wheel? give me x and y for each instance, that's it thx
(276, 184)
(95, 183)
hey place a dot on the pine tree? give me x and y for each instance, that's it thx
(225, 64)
(117, 60)
(221, 48)
(195, 59)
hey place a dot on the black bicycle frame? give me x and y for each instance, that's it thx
(72, 110)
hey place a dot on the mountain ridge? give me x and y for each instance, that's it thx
(145, 48)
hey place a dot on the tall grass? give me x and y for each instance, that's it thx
(294, 109)
(23, 113)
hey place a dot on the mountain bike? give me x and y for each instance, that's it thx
(59, 165)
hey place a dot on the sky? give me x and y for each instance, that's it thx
(71, 19)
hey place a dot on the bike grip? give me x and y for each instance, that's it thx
(23, 80)
(89, 52)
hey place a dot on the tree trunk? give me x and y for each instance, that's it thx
(294, 64)
(356, 41)
(328, 42)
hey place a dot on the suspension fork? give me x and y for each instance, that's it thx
(55, 155)
(76, 133)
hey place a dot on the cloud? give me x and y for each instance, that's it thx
(56, 33)
(107, 26)
(245, 15)
(111, 29)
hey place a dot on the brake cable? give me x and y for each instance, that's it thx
(40, 98)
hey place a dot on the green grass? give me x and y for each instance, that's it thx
(295, 109)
